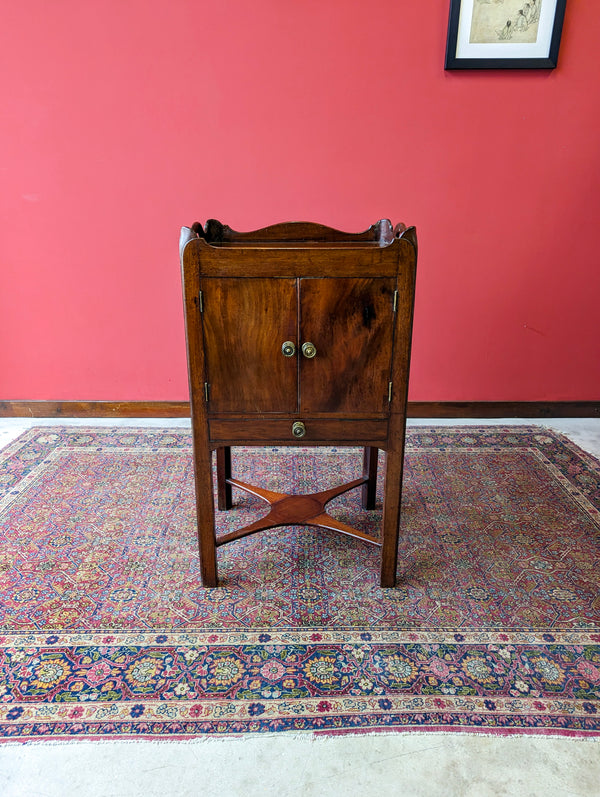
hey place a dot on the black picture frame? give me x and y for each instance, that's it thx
(501, 54)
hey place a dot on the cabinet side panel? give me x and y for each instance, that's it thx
(202, 454)
(407, 262)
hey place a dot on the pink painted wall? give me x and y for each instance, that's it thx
(123, 119)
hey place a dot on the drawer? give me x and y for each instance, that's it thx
(359, 431)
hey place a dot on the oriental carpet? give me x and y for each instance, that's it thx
(106, 631)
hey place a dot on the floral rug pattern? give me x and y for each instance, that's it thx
(106, 631)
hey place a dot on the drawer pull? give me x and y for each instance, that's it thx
(288, 349)
(298, 429)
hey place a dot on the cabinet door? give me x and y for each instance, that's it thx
(245, 322)
(351, 324)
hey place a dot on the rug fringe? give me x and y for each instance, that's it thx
(313, 737)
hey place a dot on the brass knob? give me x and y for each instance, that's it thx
(298, 429)
(288, 349)
(309, 350)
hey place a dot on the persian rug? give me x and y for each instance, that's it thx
(106, 630)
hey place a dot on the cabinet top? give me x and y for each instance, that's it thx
(295, 234)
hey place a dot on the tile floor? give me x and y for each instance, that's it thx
(407, 765)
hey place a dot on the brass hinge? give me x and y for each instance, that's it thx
(206, 391)
(395, 300)
(390, 392)
(200, 301)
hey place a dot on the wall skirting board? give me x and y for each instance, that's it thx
(416, 409)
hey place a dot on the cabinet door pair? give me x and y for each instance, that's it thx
(348, 321)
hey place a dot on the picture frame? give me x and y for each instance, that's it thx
(504, 34)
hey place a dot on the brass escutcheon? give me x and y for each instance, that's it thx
(288, 349)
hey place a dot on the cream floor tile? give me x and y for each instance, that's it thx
(413, 765)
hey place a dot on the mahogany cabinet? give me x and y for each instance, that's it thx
(298, 334)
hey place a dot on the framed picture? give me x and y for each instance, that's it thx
(504, 34)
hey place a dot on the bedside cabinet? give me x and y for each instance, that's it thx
(298, 334)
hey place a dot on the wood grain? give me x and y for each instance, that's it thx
(245, 323)
(351, 323)
(322, 431)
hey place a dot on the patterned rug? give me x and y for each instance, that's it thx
(106, 631)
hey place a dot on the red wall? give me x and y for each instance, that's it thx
(123, 119)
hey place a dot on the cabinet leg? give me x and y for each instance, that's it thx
(391, 517)
(369, 489)
(205, 508)
(208, 561)
(224, 499)
(205, 514)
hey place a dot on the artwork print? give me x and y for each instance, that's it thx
(504, 34)
(505, 21)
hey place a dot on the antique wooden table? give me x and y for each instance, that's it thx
(298, 334)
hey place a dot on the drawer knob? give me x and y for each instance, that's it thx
(288, 349)
(309, 350)
(298, 429)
